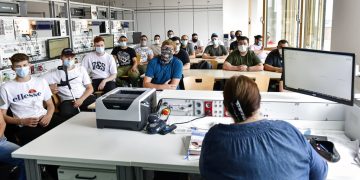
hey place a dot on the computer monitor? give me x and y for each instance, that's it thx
(109, 40)
(136, 37)
(55, 46)
(325, 74)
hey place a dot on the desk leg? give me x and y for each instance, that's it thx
(32, 170)
(129, 173)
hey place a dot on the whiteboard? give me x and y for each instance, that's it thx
(325, 74)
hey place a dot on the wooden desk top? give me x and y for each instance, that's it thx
(224, 74)
(197, 60)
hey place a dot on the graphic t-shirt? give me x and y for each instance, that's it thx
(100, 67)
(25, 99)
(78, 79)
(144, 52)
(124, 56)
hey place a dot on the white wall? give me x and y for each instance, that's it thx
(236, 16)
(182, 16)
(345, 30)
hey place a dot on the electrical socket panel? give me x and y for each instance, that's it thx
(195, 107)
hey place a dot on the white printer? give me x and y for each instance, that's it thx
(125, 108)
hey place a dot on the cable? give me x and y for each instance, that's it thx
(190, 120)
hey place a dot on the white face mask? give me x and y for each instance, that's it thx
(122, 44)
(100, 50)
(280, 52)
(170, 36)
(143, 43)
(177, 48)
(157, 42)
(242, 48)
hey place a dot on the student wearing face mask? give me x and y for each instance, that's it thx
(79, 81)
(101, 66)
(232, 36)
(234, 44)
(258, 47)
(128, 66)
(170, 34)
(156, 47)
(274, 61)
(164, 72)
(215, 50)
(198, 45)
(243, 59)
(187, 46)
(145, 53)
(181, 54)
(25, 96)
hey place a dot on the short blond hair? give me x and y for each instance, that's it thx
(169, 43)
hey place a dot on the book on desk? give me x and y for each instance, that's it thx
(195, 144)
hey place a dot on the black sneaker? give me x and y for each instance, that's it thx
(326, 149)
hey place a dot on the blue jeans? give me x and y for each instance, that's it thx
(6, 148)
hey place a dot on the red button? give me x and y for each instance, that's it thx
(165, 112)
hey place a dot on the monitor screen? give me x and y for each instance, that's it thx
(55, 46)
(136, 37)
(325, 74)
(109, 40)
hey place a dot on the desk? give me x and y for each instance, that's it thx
(78, 143)
(197, 60)
(219, 74)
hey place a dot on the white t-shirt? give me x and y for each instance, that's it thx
(99, 67)
(144, 52)
(25, 99)
(262, 55)
(156, 48)
(78, 78)
(197, 44)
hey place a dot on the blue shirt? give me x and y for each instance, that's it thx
(161, 73)
(259, 150)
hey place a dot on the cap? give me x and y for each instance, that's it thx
(214, 35)
(67, 52)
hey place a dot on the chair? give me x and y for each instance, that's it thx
(199, 83)
(262, 82)
(214, 63)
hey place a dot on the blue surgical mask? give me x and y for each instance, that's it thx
(69, 62)
(184, 42)
(22, 72)
(122, 44)
(260, 43)
(216, 42)
(100, 50)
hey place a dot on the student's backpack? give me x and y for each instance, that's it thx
(204, 65)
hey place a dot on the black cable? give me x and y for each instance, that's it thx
(190, 120)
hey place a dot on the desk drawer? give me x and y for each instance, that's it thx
(71, 173)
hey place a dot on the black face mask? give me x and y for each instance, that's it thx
(232, 36)
(194, 40)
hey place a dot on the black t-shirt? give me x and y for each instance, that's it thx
(274, 59)
(183, 56)
(124, 56)
(233, 45)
